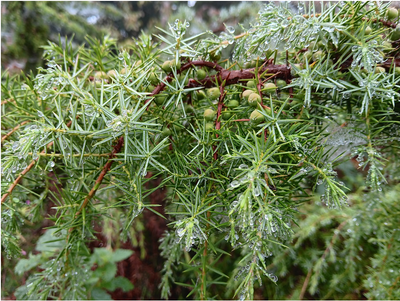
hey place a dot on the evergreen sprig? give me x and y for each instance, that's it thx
(237, 161)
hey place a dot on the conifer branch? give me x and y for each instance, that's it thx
(106, 168)
(26, 170)
(305, 284)
(13, 130)
(7, 101)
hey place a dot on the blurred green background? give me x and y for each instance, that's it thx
(26, 25)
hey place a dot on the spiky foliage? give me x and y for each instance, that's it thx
(236, 175)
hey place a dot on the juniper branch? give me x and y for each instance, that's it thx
(106, 168)
(5, 137)
(26, 170)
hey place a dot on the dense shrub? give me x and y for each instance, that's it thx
(244, 133)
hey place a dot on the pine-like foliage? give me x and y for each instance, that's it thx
(241, 144)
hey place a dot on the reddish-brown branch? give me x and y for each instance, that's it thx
(161, 86)
(7, 100)
(259, 84)
(26, 170)
(22, 174)
(106, 168)
(232, 77)
(228, 77)
(305, 284)
(12, 131)
(241, 119)
(202, 63)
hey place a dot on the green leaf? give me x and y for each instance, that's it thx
(25, 265)
(101, 256)
(121, 254)
(118, 282)
(106, 272)
(49, 242)
(100, 294)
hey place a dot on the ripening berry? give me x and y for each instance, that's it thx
(213, 93)
(247, 93)
(380, 70)
(159, 99)
(175, 64)
(153, 78)
(112, 74)
(256, 117)
(284, 95)
(308, 54)
(98, 82)
(150, 88)
(251, 84)
(182, 77)
(270, 88)
(291, 53)
(247, 65)
(317, 55)
(166, 132)
(226, 115)
(388, 46)
(395, 33)
(280, 83)
(209, 114)
(392, 13)
(368, 30)
(201, 74)
(254, 99)
(209, 126)
(214, 56)
(189, 109)
(167, 66)
(233, 104)
(201, 95)
(397, 70)
(255, 63)
(100, 75)
(124, 71)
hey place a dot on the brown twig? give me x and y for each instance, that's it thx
(7, 100)
(106, 168)
(26, 170)
(244, 119)
(22, 174)
(228, 77)
(12, 131)
(232, 77)
(161, 86)
(305, 284)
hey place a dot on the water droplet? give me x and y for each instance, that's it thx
(230, 29)
(235, 184)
